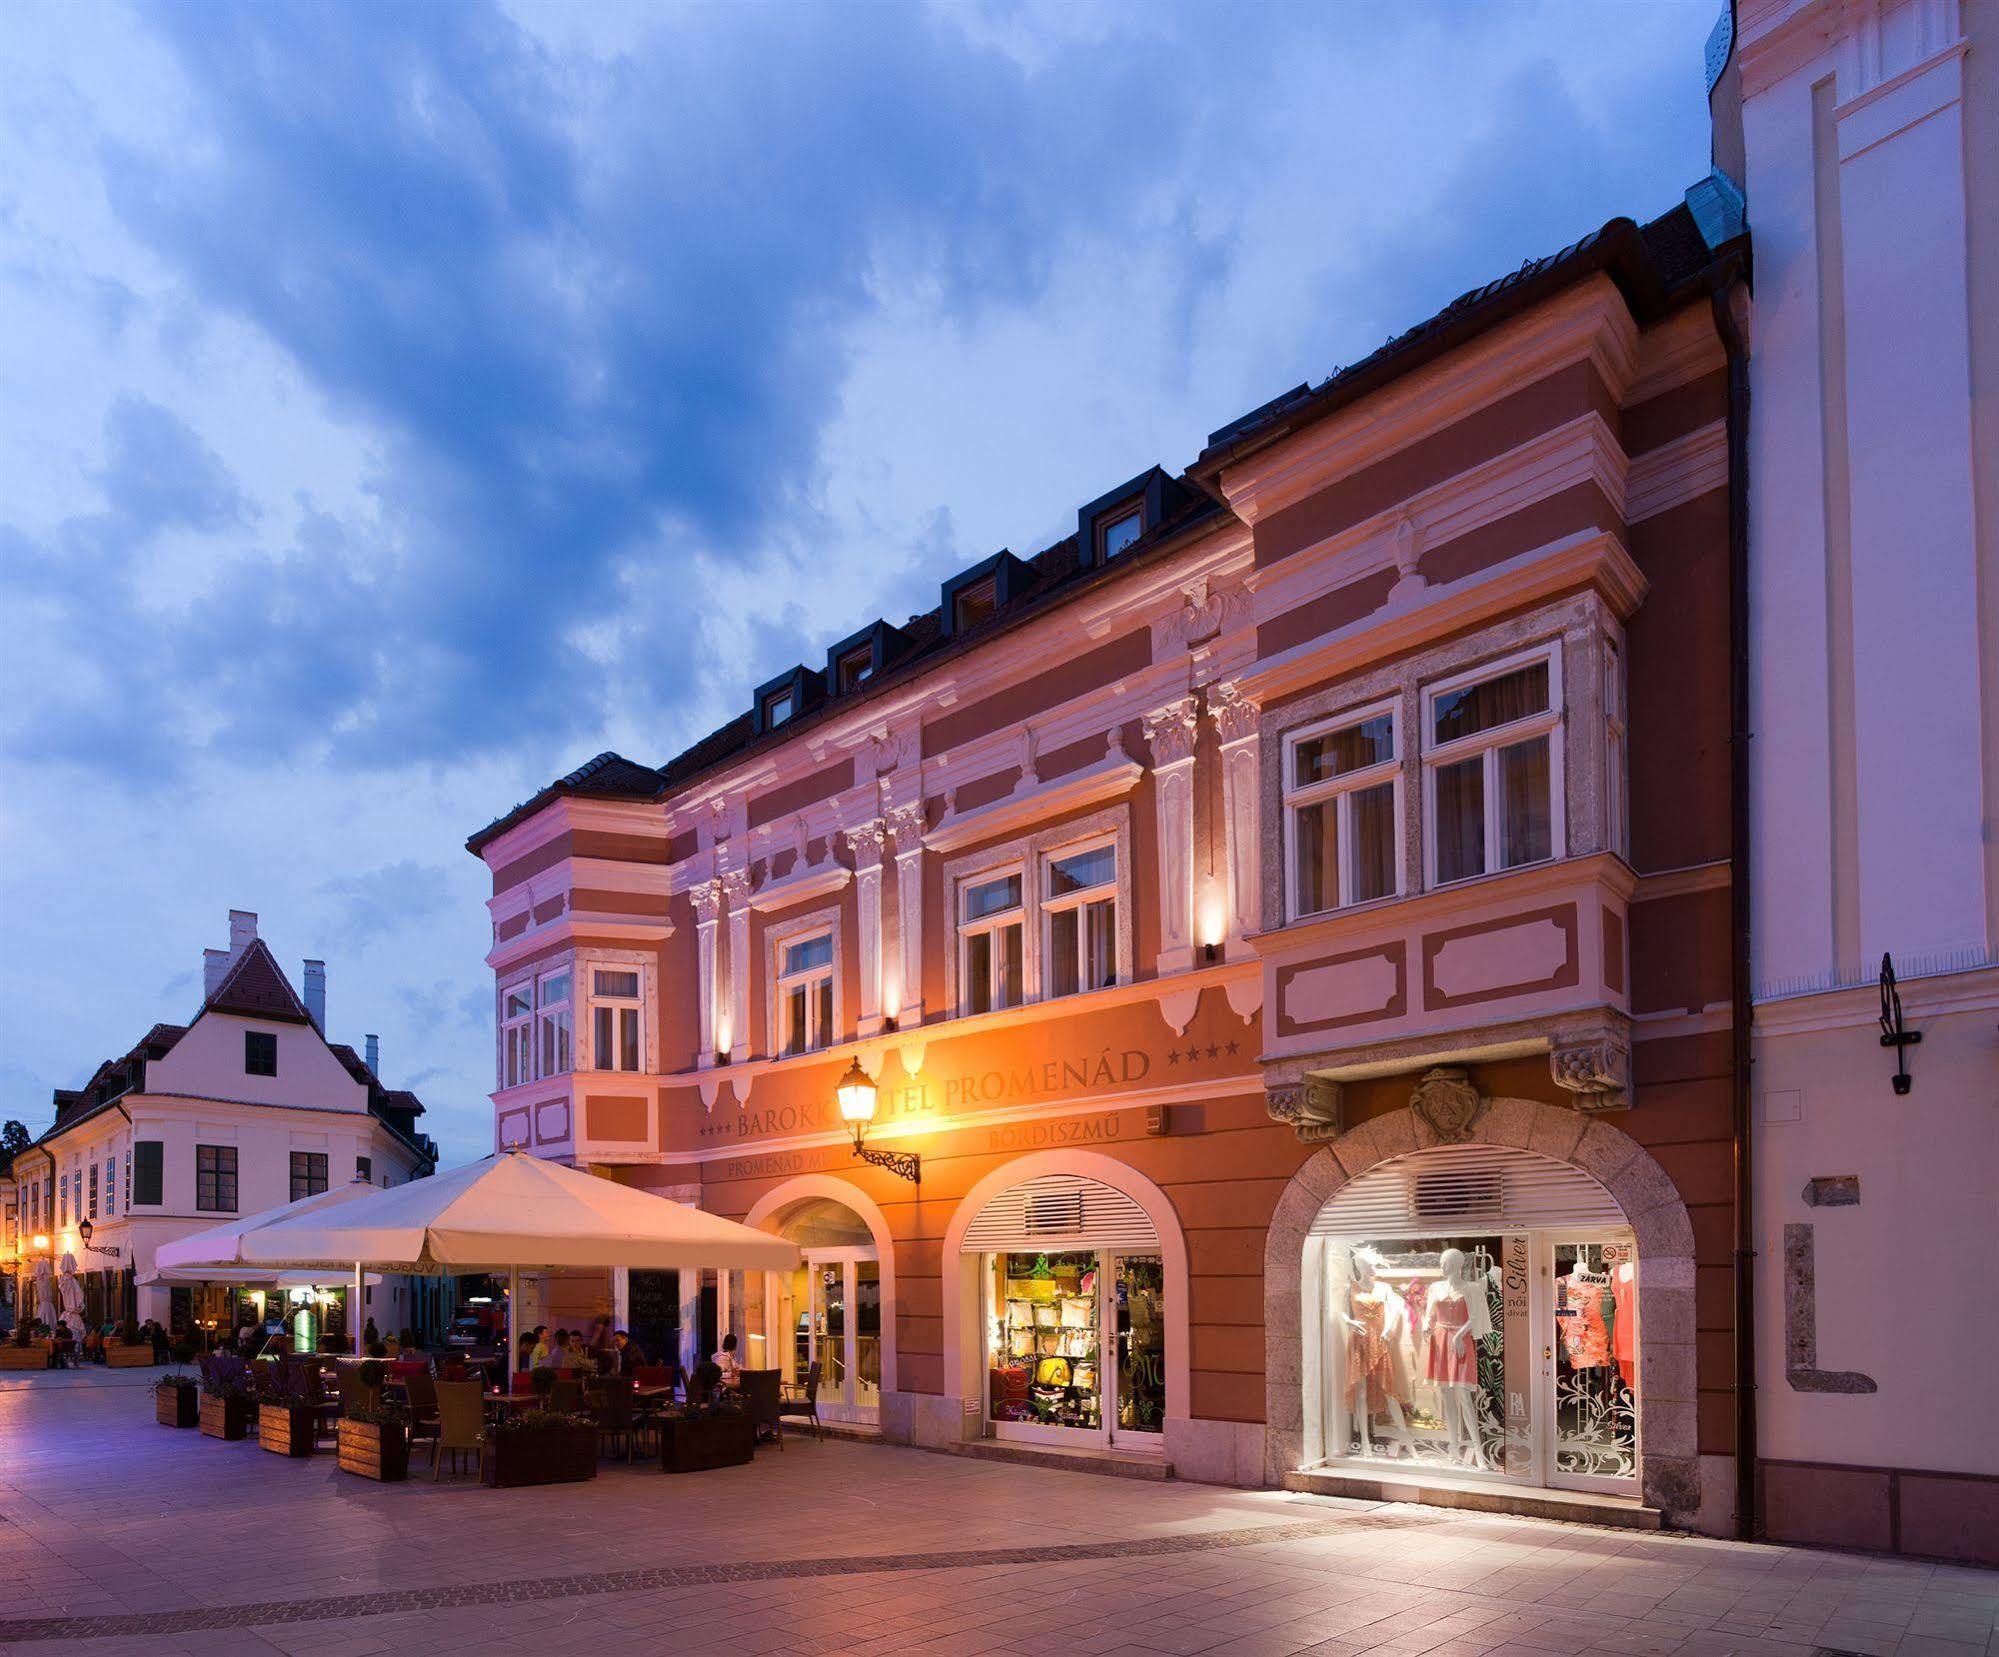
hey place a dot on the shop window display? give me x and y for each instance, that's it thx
(1045, 1362)
(1141, 1334)
(1596, 1359)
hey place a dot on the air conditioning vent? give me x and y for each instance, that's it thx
(1054, 1213)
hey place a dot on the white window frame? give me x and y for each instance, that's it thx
(987, 925)
(517, 1034)
(1053, 904)
(776, 938)
(561, 1015)
(816, 1040)
(619, 1007)
(1489, 743)
(1340, 790)
(779, 706)
(1134, 512)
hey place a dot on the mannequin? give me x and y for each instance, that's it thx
(1456, 1319)
(1377, 1367)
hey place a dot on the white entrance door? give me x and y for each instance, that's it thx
(1586, 1309)
(834, 1328)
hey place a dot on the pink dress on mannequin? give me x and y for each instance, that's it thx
(1450, 1355)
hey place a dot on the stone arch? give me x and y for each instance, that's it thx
(1670, 1463)
(768, 1211)
(961, 1378)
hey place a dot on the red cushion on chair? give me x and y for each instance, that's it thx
(653, 1375)
(523, 1382)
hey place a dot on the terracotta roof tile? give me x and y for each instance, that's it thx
(256, 987)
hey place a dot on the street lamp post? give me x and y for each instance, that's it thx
(84, 1230)
(857, 1109)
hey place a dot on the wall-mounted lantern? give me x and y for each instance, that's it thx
(857, 1109)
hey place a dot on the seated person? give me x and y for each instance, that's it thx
(726, 1363)
(702, 1383)
(625, 1353)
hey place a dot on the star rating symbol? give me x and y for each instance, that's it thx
(1214, 1052)
(1173, 1057)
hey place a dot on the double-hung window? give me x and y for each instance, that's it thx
(1343, 811)
(62, 1193)
(553, 1019)
(805, 992)
(260, 1053)
(308, 1173)
(1080, 913)
(517, 1035)
(1492, 768)
(111, 1183)
(614, 995)
(215, 1179)
(991, 972)
(91, 1212)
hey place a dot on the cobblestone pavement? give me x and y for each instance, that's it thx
(118, 1535)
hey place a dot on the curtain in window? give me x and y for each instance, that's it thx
(1317, 838)
(1524, 803)
(1495, 702)
(1460, 825)
(1371, 818)
(1100, 944)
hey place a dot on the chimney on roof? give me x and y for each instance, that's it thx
(315, 993)
(214, 964)
(372, 1046)
(242, 931)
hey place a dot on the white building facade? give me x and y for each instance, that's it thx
(1870, 160)
(245, 1107)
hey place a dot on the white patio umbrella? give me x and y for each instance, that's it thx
(42, 1291)
(513, 1210)
(69, 1292)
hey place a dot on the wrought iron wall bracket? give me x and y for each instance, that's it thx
(903, 1164)
(1893, 1032)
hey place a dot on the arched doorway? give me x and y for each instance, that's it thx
(1065, 1305)
(834, 1316)
(1467, 1304)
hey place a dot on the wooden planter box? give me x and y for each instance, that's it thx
(177, 1406)
(695, 1443)
(129, 1357)
(225, 1417)
(374, 1451)
(285, 1430)
(551, 1455)
(33, 1356)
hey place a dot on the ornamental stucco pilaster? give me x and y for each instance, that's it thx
(736, 887)
(1238, 722)
(1170, 731)
(867, 842)
(707, 901)
(905, 823)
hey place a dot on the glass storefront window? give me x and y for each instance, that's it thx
(1045, 1364)
(1415, 1351)
(1596, 1359)
(1141, 1333)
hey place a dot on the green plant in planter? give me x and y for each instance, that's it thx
(177, 1383)
(537, 1421)
(128, 1334)
(379, 1415)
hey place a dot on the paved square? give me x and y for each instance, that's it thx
(119, 1535)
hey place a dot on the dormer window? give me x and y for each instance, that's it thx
(856, 668)
(1120, 531)
(973, 603)
(777, 708)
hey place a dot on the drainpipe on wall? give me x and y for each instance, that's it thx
(1741, 1004)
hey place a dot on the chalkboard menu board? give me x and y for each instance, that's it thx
(655, 1323)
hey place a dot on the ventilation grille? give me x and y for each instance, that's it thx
(1462, 1187)
(1059, 1211)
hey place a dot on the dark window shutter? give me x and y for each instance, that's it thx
(146, 1174)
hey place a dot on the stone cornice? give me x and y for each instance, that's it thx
(1032, 803)
(1592, 558)
(797, 887)
(584, 923)
(1589, 322)
(566, 814)
(590, 874)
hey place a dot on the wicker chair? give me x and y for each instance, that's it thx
(763, 1391)
(802, 1408)
(421, 1391)
(617, 1411)
(461, 1425)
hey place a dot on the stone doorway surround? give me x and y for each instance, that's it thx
(1670, 1467)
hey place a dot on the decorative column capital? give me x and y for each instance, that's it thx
(707, 900)
(1597, 1073)
(1170, 731)
(1235, 714)
(867, 841)
(906, 823)
(736, 884)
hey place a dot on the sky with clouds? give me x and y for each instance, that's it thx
(400, 404)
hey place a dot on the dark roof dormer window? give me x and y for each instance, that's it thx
(981, 592)
(779, 701)
(861, 658)
(1120, 519)
(973, 603)
(1117, 533)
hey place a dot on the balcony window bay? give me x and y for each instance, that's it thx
(553, 1018)
(615, 1020)
(1492, 757)
(1343, 807)
(517, 1035)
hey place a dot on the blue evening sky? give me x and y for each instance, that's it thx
(401, 403)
